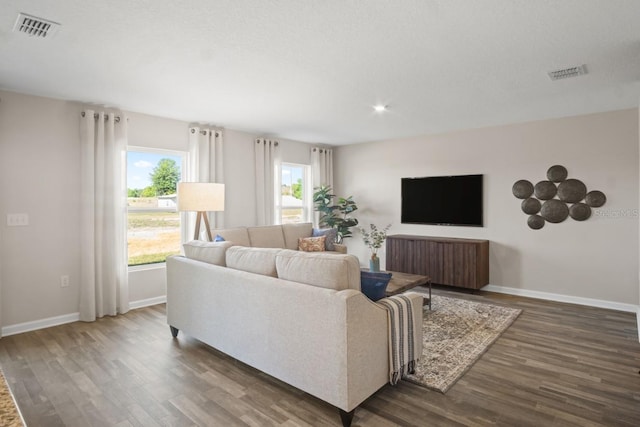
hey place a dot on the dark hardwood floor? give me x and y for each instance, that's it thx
(557, 365)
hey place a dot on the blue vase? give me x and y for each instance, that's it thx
(374, 264)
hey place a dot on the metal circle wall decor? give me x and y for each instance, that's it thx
(545, 190)
(554, 211)
(522, 189)
(535, 222)
(549, 200)
(580, 211)
(595, 198)
(557, 173)
(572, 191)
(531, 206)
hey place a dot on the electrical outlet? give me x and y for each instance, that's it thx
(17, 220)
(64, 281)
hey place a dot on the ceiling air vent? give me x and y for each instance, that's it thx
(35, 27)
(566, 73)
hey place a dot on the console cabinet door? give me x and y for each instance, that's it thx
(397, 250)
(415, 256)
(459, 265)
(432, 262)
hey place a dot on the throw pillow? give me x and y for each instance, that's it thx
(218, 238)
(311, 244)
(330, 234)
(374, 285)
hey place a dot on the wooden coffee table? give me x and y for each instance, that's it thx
(401, 282)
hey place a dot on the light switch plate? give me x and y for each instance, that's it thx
(17, 220)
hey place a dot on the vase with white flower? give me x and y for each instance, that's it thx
(374, 238)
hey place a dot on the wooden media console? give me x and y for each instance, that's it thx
(463, 263)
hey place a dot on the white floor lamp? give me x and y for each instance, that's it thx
(200, 197)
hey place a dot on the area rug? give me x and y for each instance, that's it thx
(456, 332)
(9, 414)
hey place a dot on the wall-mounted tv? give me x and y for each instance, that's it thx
(442, 200)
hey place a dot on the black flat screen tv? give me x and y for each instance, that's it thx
(442, 200)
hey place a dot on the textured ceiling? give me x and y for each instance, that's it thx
(311, 70)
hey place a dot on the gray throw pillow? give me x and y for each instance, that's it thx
(330, 234)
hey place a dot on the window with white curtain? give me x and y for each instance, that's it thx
(294, 204)
(153, 220)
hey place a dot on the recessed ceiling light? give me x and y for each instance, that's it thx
(380, 108)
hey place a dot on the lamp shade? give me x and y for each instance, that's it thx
(200, 196)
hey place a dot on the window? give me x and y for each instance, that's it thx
(295, 196)
(153, 220)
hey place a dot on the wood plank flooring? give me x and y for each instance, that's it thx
(557, 365)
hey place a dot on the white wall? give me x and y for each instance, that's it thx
(39, 171)
(596, 259)
(240, 179)
(39, 175)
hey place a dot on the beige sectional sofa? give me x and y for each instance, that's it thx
(283, 236)
(298, 316)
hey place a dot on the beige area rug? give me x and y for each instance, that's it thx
(456, 333)
(9, 414)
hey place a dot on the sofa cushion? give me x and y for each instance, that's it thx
(322, 269)
(292, 232)
(237, 235)
(266, 236)
(253, 260)
(311, 244)
(211, 252)
(330, 233)
(374, 284)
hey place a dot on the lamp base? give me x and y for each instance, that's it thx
(202, 214)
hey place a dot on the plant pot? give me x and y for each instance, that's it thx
(374, 264)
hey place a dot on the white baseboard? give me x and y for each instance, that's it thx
(34, 325)
(631, 308)
(147, 302)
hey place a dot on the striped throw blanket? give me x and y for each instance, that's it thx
(402, 357)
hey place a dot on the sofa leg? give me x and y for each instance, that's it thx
(346, 417)
(174, 331)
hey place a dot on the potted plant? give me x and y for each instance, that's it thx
(374, 238)
(335, 215)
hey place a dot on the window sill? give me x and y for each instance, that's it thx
(145, 267)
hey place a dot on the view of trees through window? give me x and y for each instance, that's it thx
(153, 231)
(292, 194)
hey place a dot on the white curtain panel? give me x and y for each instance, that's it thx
(267, 160)
(321, 166)
(104, 288)
(321, 171)
(205, 165)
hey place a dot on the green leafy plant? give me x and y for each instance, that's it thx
(374, 238)
(165, 177)
(335, 214)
